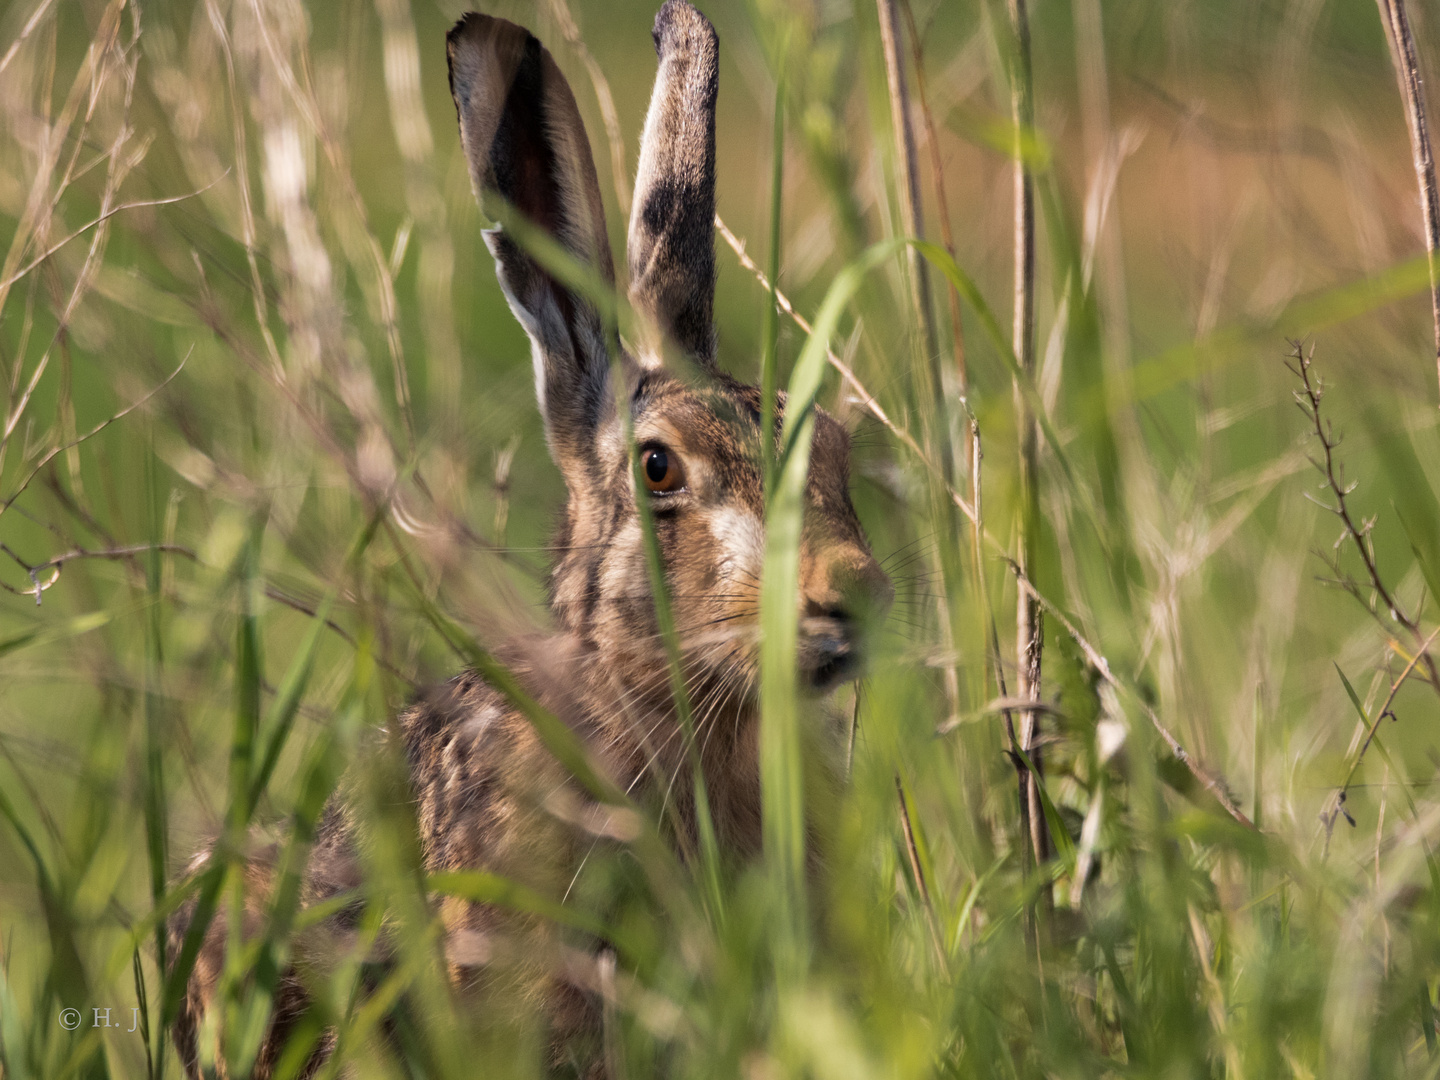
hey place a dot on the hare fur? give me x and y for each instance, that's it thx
(487, 792)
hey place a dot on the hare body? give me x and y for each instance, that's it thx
(488, 794)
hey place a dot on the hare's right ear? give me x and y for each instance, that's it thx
(526, 145)
(672, 224)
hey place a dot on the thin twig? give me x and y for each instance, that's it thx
(100, 220)
(88, 435)
(867, 399)
(1412, 89)
(54, 565)
(1337, 801)
(273, 592)
(942, 202)
(1308, 398)
(25, 32)
(912, 852)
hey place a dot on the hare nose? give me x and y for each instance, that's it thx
(841, 593)
(849, 587)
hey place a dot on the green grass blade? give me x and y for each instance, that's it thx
(288, 698)
(770, 330)
(483, 887)
(781, 769)
(1064, 845)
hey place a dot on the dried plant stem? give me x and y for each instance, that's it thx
(1412, 90)
(907, 176)
(560, 12)
(1030, 625)
(1309, 397)
(942, 201)
(1337, 801)
(53, 565)
(872, 406)
(25, 32)
(50, 456)
(912, 853)
(911, 221)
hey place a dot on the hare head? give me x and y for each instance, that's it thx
(697, 431)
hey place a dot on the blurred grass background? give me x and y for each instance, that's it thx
(287, 297)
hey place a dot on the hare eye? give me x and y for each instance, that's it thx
(663, 474)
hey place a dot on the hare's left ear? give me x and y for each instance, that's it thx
(530, 158)
(671, 247)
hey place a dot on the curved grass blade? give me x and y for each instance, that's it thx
(781, 767)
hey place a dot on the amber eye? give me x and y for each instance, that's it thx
(663, 474)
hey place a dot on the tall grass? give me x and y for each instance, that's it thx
(270, 463)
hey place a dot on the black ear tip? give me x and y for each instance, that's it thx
(679, 24)
(470, 44)
(461, 26)
(472, 26)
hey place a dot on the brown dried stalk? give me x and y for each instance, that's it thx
(1211, 782)
(867, 399)
(1336, 806)
(907, 178)
(942, 201)
(52, 454)
(1308, 398)
(560, 12)
(913, 224)
(912, 852)
(1029, 619)
(53, 566)
(1412, 89)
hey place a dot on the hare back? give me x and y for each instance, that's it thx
(332, 869)
(487, 796)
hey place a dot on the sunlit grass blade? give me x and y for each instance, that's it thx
(156, 804)
(770, 328)
(781, 767)
(47, 635)
(680, 694)
(483, 887)
(287, 700)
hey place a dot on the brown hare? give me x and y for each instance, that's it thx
(487, 792)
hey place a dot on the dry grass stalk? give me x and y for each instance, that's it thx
(1030, 624)
(912, 222)
(907, 176)
(570, 31)
(1309, 397)
(942, 201)
(867, 399)
(912, 853)
(1412, 89)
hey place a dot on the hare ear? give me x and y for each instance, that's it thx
(672, 225)
(526, 144)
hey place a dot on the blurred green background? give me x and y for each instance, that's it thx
(287, 297)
